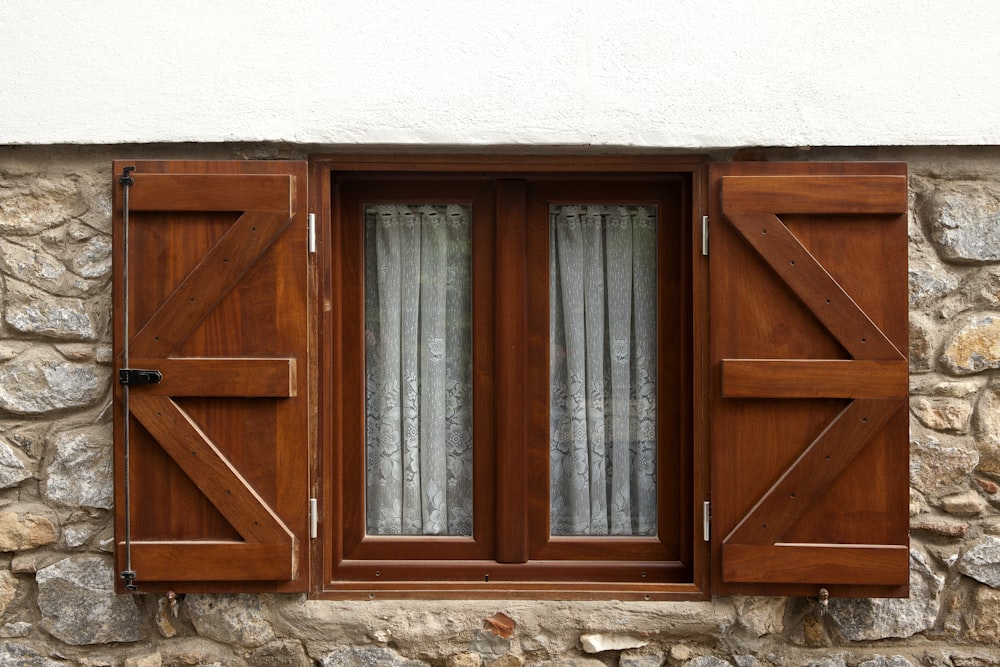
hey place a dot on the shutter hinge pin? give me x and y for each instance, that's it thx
(313, 518)
(706, 520)
(704, 235)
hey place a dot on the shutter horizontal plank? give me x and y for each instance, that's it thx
(205, 560)
(815, 194)
(816, 563)
(237, 376)
(212, 192)
(813, 378)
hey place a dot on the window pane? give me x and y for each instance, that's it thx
(602, 323)
(418, 369)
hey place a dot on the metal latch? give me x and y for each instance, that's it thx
(133, 376)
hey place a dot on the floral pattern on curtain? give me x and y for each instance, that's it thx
(418, 377)
(602, 296)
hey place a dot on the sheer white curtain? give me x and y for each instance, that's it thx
(418, 369)
(602, 296)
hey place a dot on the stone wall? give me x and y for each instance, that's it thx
(57, 606)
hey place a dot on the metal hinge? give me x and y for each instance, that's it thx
(313, 518)
(706, 520)
(704, 235)
(311, 232)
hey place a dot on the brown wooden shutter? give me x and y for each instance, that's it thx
(809, 428)
(218, 304)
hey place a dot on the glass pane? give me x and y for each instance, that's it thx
(418, 369)
(602, 351)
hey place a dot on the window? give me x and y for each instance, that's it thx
(481, 436)
(513, 376)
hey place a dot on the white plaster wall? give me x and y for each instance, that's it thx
(612, 72)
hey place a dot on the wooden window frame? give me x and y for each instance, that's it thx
(510, 553)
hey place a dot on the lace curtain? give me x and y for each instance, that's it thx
(418, 382)
(602, 296)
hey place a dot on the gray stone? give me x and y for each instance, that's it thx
(883, 661)
(32, 205)
(464, 660)
(596, 642)
(15, 629)
(104, 355)
(8, 590)
(937, 467)
(929, 284)
(230, 618)
(80, 472)
(367, 656)
(963, 504)
(150, 660)
(746, 661)
(22, 655)
(29, 437)
(184, 651)
(78, 603)
(866, 619)
(25, 527)
(75, 536)
(708, 661)
(30, 562)
(965, 221)
(987, 429)
(37, 267)
(35, 384)
(981, 561)
(33, 311)
(15, 467)
(634, 659)
(281, 653)
(949, 415)
(828, 661)
(984, 621)
(974, 347)
(921, 344)
(487, 643)
(761, 615)
(92, 259)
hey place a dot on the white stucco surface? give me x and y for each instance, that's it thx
(632, 73)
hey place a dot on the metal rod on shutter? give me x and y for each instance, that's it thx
(128, 574)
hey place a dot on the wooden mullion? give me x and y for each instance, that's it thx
(511, 328)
